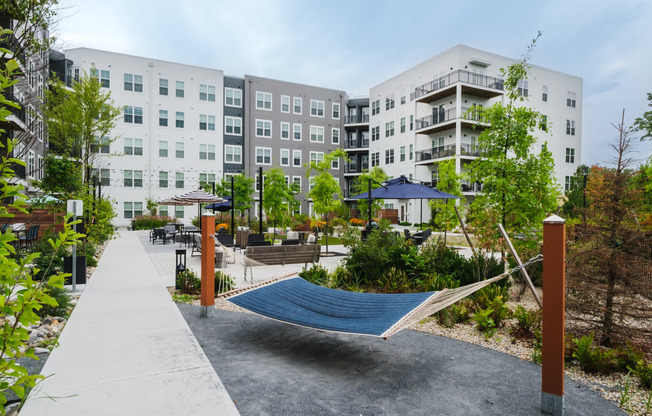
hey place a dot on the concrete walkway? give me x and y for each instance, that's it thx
(126, 349)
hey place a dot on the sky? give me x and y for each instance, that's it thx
(353, 45)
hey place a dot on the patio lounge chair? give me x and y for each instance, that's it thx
(219, 251)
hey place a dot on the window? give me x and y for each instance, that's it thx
(570, 155)
(39, 167)
(206, 179)
(316, 108)
(402, 99)
(285, 103)
(571, 99)
(296, 157)
(133, 83)
(138, 115)
(285, 157)
(316, 134)
(316, 156)
(285, 131)
(570, 127)
(263, 155)
(179, 211)
(163, 210)
(31, 162)
(389, 156)
(544, 122)
(207, 152)
(233, 125)
(375, 133)
(104, 176)
(206, 122)
(567, 183)
(375, 107)
(206, 92)
(179, 152)
(129, 114)
(232, 97)
(402, 124)
(389, 102)
(178, 180)
(544, 94)
(133, 178)
(375, 159)
(163, 86)
(335, 163)
(102, 145)
(296, 181)
(132, 209)
(335, 136)
(263, 128)
(133, 146)
(411, 123)
(263, 100)
(298, 104)
(163, 118)
(179, 89)
(296, 131)
(232, 154)
(179, 119)
(103, 76)
(402, 153)
(162, 148)
(336, 111)
(162, 179)
(389, 129)
(522, 88)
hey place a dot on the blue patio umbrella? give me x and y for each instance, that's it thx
(220, 206)
(402, 188)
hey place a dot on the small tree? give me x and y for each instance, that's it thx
(325, 193)
(243, 189)
(449, 181)
(361, 185)
(62, 177)
(519, 188)
(79, 121)
(275, 195)
(607, 279)
(575, 195)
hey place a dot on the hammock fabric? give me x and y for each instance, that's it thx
(296, 301)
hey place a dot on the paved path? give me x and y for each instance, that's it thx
(126, 349)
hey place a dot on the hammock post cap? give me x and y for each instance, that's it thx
(207, 214)
(554, 219)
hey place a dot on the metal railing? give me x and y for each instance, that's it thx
(357, 119)
(446, 151)
(356, 144)
(348, 168)
(458, 76)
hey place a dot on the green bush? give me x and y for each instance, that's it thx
(223, 281)
(527, 322)
(187, 283)
(593, 359)
(394, 281)
(48, 264)
(147, 222)
(485, 323)
(644, 371)
(60, 295)
(456, 313)
(316, 274)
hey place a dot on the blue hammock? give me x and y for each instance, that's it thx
(299, 302)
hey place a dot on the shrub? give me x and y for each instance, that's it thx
(485, 323)
(60, 295)
(187, 283)
(317, 275)
(47, 263)
(223, 282)
(147, 222)
(527, 322)
(593, 359)
(456, 313)
(394, 281)
(644, 371)
(356, 222)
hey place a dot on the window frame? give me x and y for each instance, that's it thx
(264, 98)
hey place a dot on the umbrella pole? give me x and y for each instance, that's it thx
(369, 201)
(232, 209)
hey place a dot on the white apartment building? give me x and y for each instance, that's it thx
(169, 138)
(421, 117)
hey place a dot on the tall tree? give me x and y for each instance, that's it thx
(361, 184)
(326, 193)
(275, 196)
(80, 119)
(643, 124)
(607, 265)
(576, 194)
(518, 181)
(449, 181)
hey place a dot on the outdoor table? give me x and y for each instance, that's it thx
(303, 235)
(187, 234)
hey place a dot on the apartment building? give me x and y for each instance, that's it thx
(25, 125)
(169, 139)
(234, 106)
(425, 115)
(288, 125)
(356, 142)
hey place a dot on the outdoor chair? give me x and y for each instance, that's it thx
(161, 234)
(407, 234)
(290, 242)
(3, 229)
(292, 235)
(30, 237)
(254, 239)
(226, 240)
(219, 251)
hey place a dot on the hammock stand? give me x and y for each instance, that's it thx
(292, 300)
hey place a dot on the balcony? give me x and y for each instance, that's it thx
(357, 119)
(356, 144)
(468, 186)
(350, 169)
(439, 120)
(440, 152)
(472, 84)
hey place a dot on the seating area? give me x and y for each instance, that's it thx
(164, 234)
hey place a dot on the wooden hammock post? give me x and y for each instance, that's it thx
(207, 264)
(524, 272)
(466, 234)
(554, 287)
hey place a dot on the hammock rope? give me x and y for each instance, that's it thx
(351, 312)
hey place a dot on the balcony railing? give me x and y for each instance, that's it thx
(356, 144)
(468, 186)
(348, 168)
(357, 119)
(446, 151)
(457, 76)
(438, 117)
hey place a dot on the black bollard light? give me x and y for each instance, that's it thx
(180, 261)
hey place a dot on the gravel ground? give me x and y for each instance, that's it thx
(608, 386)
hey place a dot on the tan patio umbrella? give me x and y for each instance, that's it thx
(198, 197)
(172, 201)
